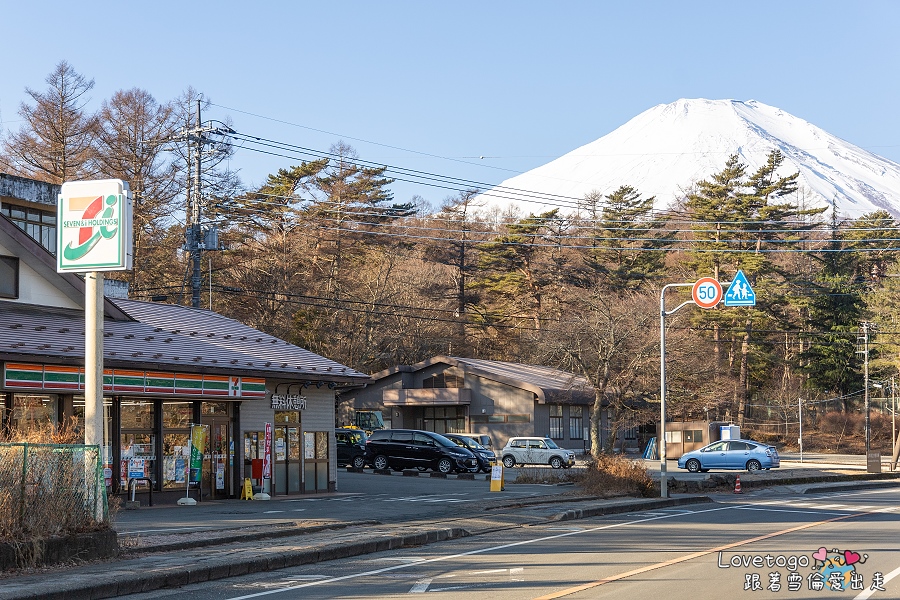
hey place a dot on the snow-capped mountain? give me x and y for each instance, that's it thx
(664, 150)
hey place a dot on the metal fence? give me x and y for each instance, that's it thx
(50, 489)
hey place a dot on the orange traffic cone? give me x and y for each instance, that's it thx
(737, 485)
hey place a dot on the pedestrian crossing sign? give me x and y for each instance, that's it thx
(739, 292)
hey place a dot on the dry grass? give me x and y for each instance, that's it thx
(617, 475)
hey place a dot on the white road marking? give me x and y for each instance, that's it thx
(421, 586)
(804, 512)
(870, 591)
(425, 561)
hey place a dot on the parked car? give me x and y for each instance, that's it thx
(485, 457)
(483, 439)
(536, 451)
(351, 447)
(731, 454)
(409, 448)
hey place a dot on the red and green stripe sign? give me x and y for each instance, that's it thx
(62, 378)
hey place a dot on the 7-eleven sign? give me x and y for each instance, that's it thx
(94, 226)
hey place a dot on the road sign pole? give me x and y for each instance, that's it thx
(705, 293)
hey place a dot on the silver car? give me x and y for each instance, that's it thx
(536, 451)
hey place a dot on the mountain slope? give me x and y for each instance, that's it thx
(667, 148)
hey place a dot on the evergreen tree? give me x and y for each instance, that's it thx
(628, 242)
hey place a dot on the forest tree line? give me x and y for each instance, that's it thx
(323, 255)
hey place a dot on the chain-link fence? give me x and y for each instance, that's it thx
(50, 489)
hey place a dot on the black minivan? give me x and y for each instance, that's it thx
(408, 448)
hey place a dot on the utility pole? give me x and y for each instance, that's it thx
(865, 326)
(197, 136)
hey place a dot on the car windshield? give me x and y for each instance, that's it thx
(469, 442)
(550, 443)
(442, 441)
(356, 437)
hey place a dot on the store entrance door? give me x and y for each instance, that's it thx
(218, 459)
(287, 458)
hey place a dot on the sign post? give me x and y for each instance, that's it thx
(706, 293)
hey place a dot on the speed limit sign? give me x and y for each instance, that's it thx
(707, 292)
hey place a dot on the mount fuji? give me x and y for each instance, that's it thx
(663, 151)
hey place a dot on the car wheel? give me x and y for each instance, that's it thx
(693, 465)
(556, 462)
(359, 462)
(753, 465)
(380, 462)
(445, 465)
(509, 462)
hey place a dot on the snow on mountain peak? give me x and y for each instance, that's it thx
(663, 151)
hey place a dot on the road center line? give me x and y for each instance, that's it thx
(687, 557)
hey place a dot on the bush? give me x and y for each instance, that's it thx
(616, 475)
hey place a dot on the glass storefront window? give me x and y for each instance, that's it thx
(293, 443)
(280, 443)
(33, 411)
(175, 459)
(287, 416)
(138, 456)
(177, 415)
(214, 408)
(137, 414)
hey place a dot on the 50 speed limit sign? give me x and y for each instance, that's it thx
(707, 292)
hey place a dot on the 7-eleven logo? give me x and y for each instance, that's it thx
(92, 225)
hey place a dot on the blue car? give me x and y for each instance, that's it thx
(731, 454)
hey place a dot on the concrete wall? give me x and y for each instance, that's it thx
(29, 190)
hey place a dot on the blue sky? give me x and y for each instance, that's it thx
(434, 86)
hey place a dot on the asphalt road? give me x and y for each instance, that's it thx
(720, 550)
(363, 496)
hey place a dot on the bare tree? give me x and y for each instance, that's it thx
(57, 142)
(132, 129)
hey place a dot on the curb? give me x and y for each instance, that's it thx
(277, 531)
(850, 486)
(139, 582)
(623, 508)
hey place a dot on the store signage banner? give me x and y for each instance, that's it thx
(289, 402)
(198, 443)
(267, 454)
(94, 226)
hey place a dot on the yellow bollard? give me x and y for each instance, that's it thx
(497, 477)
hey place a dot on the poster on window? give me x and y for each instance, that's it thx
(220, 474)
(135, 468)
(309, 444)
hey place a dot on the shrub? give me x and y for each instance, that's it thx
(617, 475)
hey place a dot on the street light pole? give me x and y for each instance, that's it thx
(800, 413)
(661, 438)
